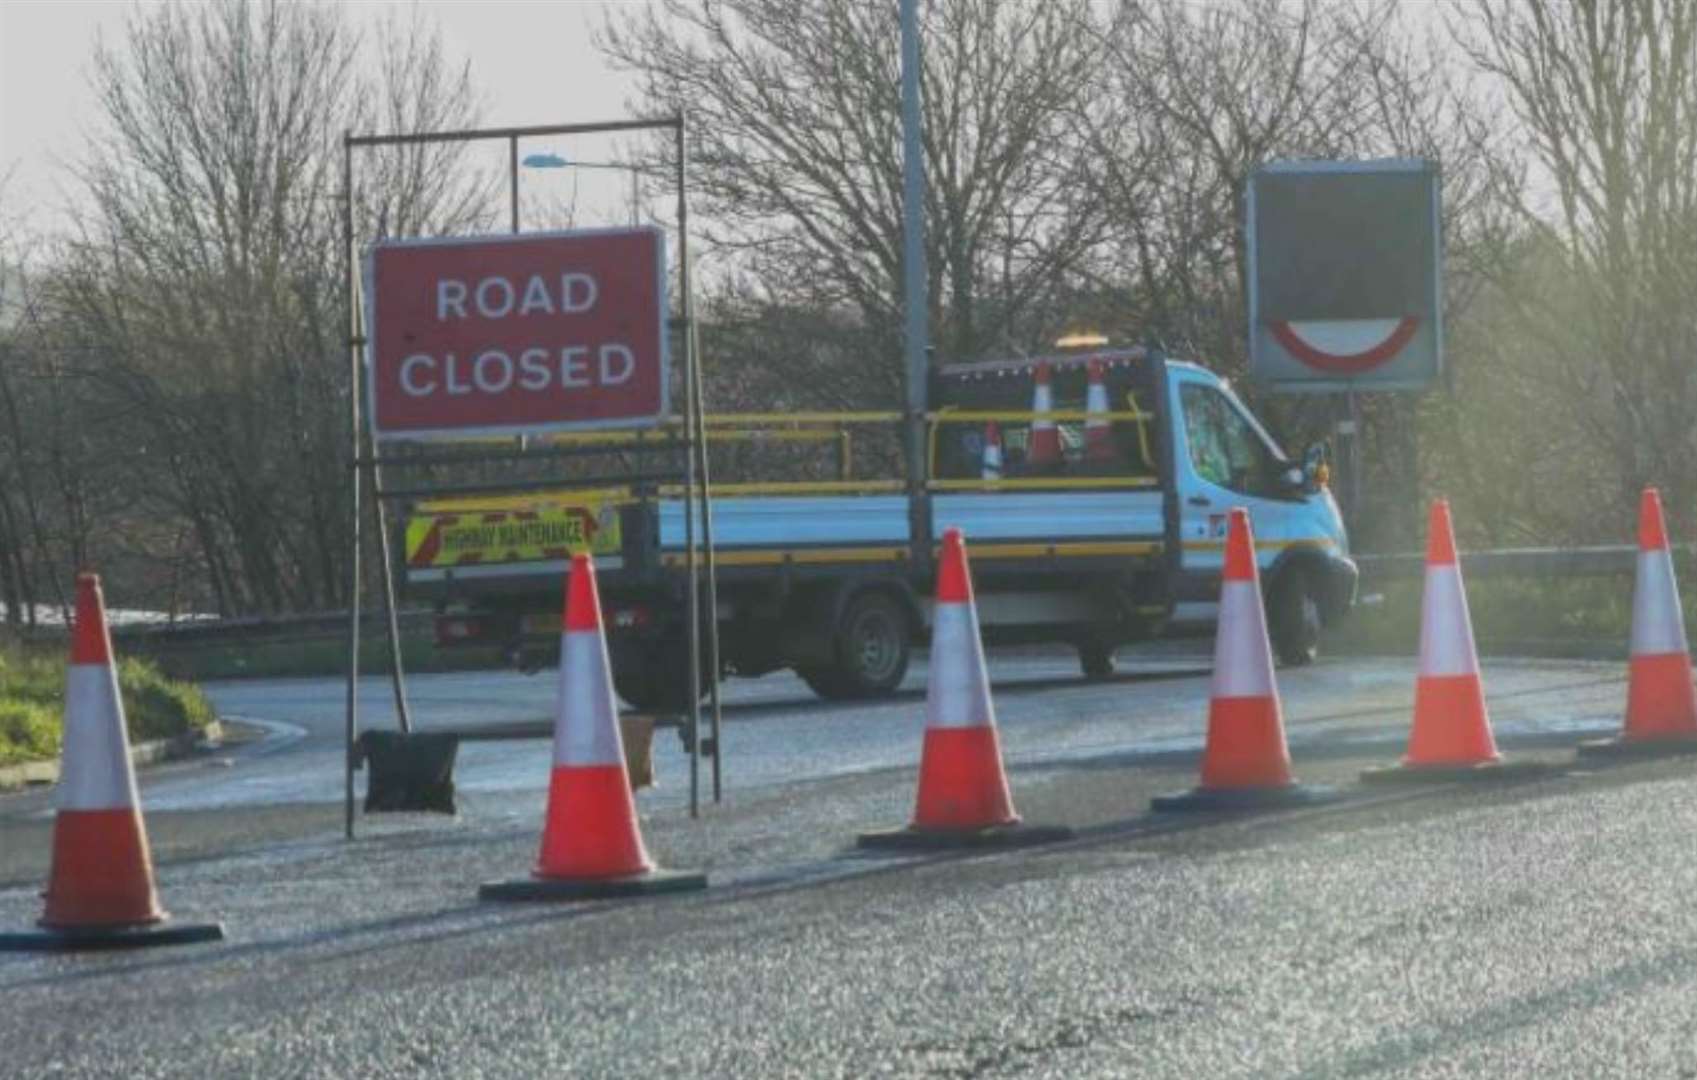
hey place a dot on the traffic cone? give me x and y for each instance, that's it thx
(1661, 704)
(1451, 734)
(1098, 431)
(591, 846)
(100, 892)
(963, 798)
(1045, 446)
(1245, 762)
(992, 461)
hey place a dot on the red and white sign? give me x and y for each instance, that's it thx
(517, 334)
(1345, 346)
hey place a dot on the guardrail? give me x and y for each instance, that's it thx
(1376, 568)
(308, 626)
(1599, 561)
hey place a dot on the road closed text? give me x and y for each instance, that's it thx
(537, 369)
(571, 367)
(528, 334)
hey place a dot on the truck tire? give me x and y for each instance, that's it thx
(1295, 618)
(872, 643)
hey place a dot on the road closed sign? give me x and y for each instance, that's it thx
(516, 335)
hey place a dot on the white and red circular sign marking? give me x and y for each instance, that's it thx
(1344, 346)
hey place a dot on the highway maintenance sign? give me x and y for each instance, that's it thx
(1345, 275)
(516, 335)
(505, 536)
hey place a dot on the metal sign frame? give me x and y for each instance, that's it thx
(367, 462)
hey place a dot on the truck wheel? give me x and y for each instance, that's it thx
(1096, 658)
(1295, 618)
(872, 646)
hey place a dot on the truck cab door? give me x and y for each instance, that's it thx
(1223, 458)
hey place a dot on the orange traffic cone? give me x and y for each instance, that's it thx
(1098, 431)
(1245, 762)
(1044, 449)
(963, 796)
(100, 892)
(591, 846)
(1451, 734)
(992, 460)
(1661, 704)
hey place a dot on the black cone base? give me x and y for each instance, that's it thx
(653, 883)
(1620, 748)
(1016, 835)
(1239, 799)
(112, 937)
(1485, 772)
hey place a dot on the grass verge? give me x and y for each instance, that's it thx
(32, 701)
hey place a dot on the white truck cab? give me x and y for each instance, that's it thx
(1224, 458)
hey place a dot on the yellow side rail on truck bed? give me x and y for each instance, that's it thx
(821, 428)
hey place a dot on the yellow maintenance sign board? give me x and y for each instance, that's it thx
(506, 536)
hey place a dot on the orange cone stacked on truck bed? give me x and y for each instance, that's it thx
(100, 891)
(963, 795)
(992, 459)
(1044, 447)
(1098, 430)
(591, 844)
(1245, 761)
(1450, 737)
(1661, 702)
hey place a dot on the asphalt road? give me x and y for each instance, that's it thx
(1541, 928)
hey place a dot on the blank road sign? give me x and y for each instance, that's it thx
(1345, 275)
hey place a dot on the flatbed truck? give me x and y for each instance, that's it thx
(1087, 525)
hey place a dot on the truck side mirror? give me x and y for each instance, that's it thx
(1314, 468)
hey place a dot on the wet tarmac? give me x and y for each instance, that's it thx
(1538, 927)
(777, 732)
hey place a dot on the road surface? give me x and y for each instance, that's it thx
(1540, 928)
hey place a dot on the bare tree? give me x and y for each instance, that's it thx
(21, 538)
(795, 112)
(203, 293)
(1603, 187)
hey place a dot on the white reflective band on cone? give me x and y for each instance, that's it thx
(586, 731)
(1658, 627)
(1446, 634)
(957, 693)
(95, 762)
(1243, 660)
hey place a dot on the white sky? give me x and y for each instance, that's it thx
(531, 60)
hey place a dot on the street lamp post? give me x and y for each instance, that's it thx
(914, 300)
(555, 161)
